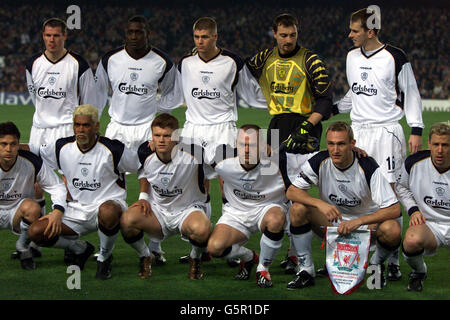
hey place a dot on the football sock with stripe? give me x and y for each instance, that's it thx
(107, 240)
(270, 244)
(302, 237)
(138, 244)
(415, 260)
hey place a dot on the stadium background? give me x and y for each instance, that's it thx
(418, 27)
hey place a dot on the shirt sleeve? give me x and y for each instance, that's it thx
(52, 184)
(129, 161)
(102, 86)
(48, 155)
(249, 89)
(319, 81)
(403, 191)
(306, 178)
(30, 86)
(412, 102)
(171, 91)
(345, 104)
(381, 190)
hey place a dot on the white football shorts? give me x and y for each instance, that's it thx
(385, 143)
(441, 232)
(131, 136)
(44, 136)
(83, 219)
(221, 133)
(172, 221)
(7, 216)
(247, 222)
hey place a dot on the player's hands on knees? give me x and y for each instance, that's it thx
(346, 227)
(416, 219)
(144, 205)
(331, 212)
(54, 225)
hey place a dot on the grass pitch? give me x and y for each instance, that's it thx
(170, 282)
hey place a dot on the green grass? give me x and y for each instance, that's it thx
(48, 281)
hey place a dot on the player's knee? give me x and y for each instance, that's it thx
(216, 247)
(390, 232)
(298, 214)
(275, 221)
(412, 242)
(31, 210)
(109, 214)
(36, 233)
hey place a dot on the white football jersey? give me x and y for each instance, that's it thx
(175, 185)
(209, 88)
(134, 85)
(421, 187)
(57, 88)
(382, 88)
(359, 190)
(246, 190)
(93, 176)
(18, 182)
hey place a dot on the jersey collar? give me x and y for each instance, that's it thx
(55, 62)
(378, 50)
(291, 54)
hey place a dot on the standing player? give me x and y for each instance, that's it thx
(382, 90)
(58, 80)
(177, 198)
(94, 167)
(423, 187)
(296, 85)
(209, 80)
(19, 171)
(352, 193)
(255, 191)
(135, 73)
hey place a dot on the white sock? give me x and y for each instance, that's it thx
(380, 255)
(304, 251)
(416, 262)
(23, 242)
(106, 245)
(269, 249)
(238, 251)
(141, 248)
(196, 252)
(394, 257)
(154, 245)
(76, 246)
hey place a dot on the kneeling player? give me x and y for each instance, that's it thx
(353, 193)
(177, 199)
(255, 190)
(423, 187)
(94, 167)
(19, 170)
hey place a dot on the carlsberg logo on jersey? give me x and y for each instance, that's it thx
(205, 94)
(436, 203)
(364, 89)
(166, 192)
(281, 88)
(51, 93)
(10, 197)
(132, 89)
(344, 202)
(244, 195)
(86, 185)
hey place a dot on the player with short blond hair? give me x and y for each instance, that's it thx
(423, 187)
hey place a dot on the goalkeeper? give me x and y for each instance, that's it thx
(296, 86)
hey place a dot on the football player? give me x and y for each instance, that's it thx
(254, 187)
(383, 89)
(352, 193)
(94, 168)
(19, 171)
(177, 199)
(423, 187)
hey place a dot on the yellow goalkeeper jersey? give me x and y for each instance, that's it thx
(291, 84)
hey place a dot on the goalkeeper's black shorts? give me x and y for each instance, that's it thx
(288, 122)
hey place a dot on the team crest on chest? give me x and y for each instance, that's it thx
(134, 76)
(440, 191)
(165, 181)
(52, 81)
(205, 79)
(84, 172)
(364, 76)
